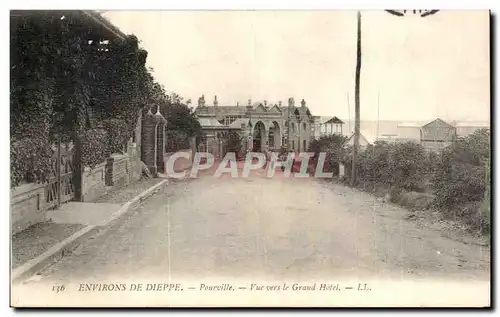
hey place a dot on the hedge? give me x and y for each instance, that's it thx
(399, 165)
(459, 177)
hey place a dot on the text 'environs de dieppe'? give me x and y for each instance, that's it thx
(224, 287)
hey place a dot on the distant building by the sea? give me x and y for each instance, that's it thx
(432, 134)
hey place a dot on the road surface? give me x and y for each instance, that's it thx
(267, 229)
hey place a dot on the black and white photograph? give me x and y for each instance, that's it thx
(250, 158)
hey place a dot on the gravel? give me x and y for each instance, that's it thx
(124, 194)
(35, 240)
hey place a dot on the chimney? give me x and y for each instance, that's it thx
(279, 103)
(201, 101)
(249, 102)
(291, 102)
(303, 103)
(237, 103)
(265, 103)
(216, 103)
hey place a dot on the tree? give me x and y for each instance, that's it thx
(181, 123)
(232, 143)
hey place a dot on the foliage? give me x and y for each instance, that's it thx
(30, 161)
(180, 118)
(333, 147)
(94, 150)
(460, 175)
(463, 173)
(233, 143)
(406, 163)
(176, 140)
(398, 165)
(327, 142)
(67, 79)
(120, 84)
(64, 78)
(181, 122)
(118, 134)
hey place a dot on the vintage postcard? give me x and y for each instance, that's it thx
(251, 158)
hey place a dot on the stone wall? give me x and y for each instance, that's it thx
(117, 170)
(28, 201)
(27, 206)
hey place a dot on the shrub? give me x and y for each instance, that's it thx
(233, 143)
(332, 145)
(407, 166)
(328, 142)
(463, 172)
(176, 140)
(375, 164)
(94, 149)
(31, 160)
(399, 165)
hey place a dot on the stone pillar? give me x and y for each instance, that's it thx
(149, 142)
(108, 178)
(160, 147)
(264, 140)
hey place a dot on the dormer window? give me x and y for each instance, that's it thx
(229, 119)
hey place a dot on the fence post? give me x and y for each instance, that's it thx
(78, 167)
(58, 171)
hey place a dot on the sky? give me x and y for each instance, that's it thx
(412, 68)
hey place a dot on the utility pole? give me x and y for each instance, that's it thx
(401, 13)
(356, 102)
(349, 112)
(378, 115)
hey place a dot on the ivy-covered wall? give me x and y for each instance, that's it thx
(67, 78)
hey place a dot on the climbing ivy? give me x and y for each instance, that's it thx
(94, 147)
(65, 81)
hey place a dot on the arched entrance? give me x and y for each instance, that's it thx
(259, 132)
(275, 137)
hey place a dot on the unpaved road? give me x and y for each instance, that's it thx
(268, 229)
